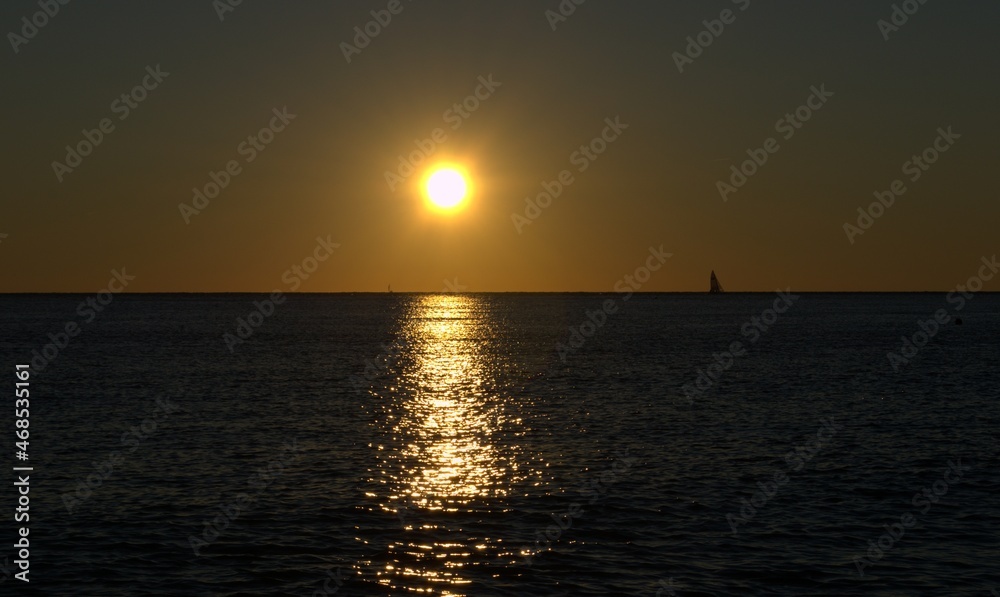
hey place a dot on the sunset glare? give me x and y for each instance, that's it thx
(446, 188)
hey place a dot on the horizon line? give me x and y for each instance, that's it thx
(430, 292)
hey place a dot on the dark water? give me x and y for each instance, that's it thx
(440, 471)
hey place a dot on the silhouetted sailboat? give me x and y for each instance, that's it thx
(714, 286)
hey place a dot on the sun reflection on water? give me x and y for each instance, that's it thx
(447, 460)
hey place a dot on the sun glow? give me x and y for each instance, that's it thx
(446, 189)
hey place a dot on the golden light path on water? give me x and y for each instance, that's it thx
(445, 464)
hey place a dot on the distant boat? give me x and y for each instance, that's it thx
(714, 286)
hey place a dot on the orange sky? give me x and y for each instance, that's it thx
(494, 90)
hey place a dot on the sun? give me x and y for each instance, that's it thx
(446, 188)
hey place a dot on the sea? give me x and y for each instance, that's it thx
(503, 444)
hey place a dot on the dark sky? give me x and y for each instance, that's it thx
(656, 184)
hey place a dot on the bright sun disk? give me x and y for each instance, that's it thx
(446, 188)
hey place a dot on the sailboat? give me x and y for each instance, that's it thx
(714, 286)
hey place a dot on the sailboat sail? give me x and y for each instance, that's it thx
(714, 286)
